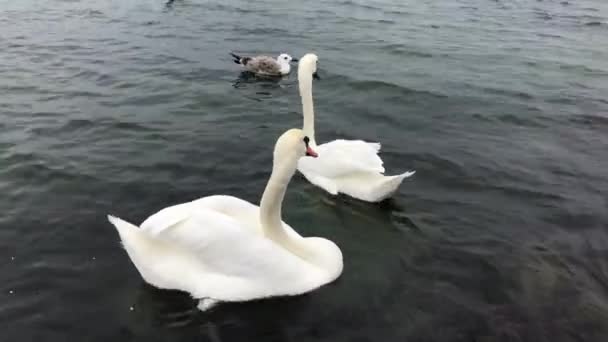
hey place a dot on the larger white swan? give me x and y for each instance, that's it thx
(351, 167)
(221, 248)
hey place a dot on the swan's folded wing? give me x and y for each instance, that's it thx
(234, 262)
(342, 157)
(246, 213)
(166, 218)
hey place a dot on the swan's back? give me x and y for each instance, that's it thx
(207, 253)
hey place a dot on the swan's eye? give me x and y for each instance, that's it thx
(306, 140)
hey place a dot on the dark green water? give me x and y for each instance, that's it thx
(126, 107)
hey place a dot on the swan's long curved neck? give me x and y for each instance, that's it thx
(271, 203)
(305, 83)
(270, 212)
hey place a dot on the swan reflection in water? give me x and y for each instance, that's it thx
(176, 313)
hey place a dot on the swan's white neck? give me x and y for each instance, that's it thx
(318, 252)
(270, 211)
(305, 83)
(272, 200)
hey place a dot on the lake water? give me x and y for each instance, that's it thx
(129, 106)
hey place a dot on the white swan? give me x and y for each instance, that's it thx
(221, 248)
(351, 167)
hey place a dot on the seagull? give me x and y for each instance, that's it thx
(265, 65)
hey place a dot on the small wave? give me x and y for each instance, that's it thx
(519, 120)
(233, 9)
(131, 126)
(594, 23)
(562, 100)
(77, 124)
(583, 68)
(400, 49)
(440, 165)
(23, 89)
(586, 17)
(593, 121)
(69, 127)
(575, 221)
(82, 93)
(386, 88)
(360, 5)
(161, 36)
(507, 92)
(267, 31)
(541, 14)
(548, 35)
(397, 12)
(33, 168)
(518, 192)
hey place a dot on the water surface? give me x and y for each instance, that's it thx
(126, 107)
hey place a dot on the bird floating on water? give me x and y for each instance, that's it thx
(224, 249)
(351, 167)
(266, 65)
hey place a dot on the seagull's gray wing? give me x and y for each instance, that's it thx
(263, 65)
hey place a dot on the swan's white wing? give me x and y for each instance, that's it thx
(343, 157)
(245, 213)
(167, 217)
(209, 254)
(213, 247)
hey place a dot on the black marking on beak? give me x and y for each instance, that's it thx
(309, 151)
(295, 60)
(315, 76)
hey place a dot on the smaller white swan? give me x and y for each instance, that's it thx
(221, 248)
(266, 65)
(351, 167)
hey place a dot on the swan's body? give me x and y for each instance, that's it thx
(222, 248)
(266, 65)
(351, 167)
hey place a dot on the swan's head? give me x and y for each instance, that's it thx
(286, 59)
(308, 66)
(292, 145)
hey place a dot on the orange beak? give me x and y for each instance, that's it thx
(310, 152)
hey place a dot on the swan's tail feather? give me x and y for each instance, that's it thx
(206, 304)
(126, 230)
(375, 146)
(390, 184)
